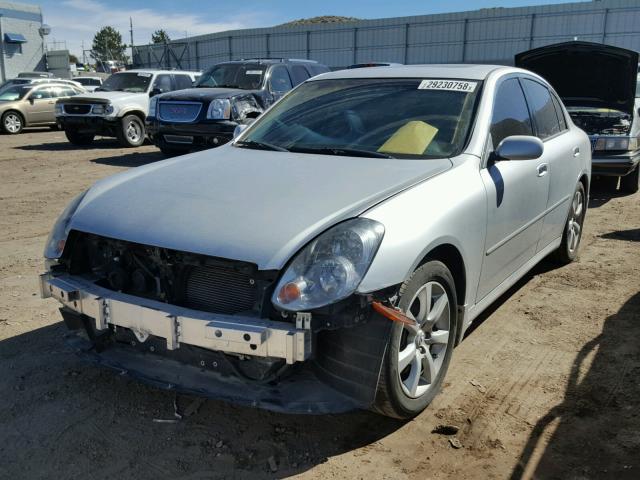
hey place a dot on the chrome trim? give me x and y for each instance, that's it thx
(175, 102)
(178, 325)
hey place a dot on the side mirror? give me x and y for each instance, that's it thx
(32, 100)
(239, 129)
(155, 91)
(520, 147)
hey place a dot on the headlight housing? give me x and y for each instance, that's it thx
(102, 109)
(153, 105)
(58, 109)
(219, 109)
(58, 236)
(617, 143)
(331, 267)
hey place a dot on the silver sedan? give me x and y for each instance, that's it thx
(333, 255)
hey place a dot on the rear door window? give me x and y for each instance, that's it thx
(510, 112)
(299, 74)
(280, 81)
(562, 121)
(42, 93)
(542, 109)
(182, 82)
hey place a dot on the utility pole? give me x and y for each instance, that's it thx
(131, 32)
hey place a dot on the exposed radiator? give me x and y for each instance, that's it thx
(220, 289)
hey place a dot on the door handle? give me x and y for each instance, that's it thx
(543, 168)
(576, 151)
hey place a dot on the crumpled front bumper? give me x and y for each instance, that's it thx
(195, 352)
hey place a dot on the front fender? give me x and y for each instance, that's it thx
(448, 209)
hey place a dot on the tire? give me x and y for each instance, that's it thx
(172, 152)
(131, 133)
(399, 395)
(77, 138)
(54, 127)
(12, 122)
(567, 252)
(631, 183)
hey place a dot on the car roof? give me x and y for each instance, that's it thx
(461, 71)
(152, 71)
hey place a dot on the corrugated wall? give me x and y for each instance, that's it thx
(482, 36)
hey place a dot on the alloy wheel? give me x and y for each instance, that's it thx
(133, 132)
(574, 225)
(12, 123)
(422, 349)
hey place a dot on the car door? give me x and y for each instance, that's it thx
(561, 153)
(40, 105)
(279, 82)
(517, 192)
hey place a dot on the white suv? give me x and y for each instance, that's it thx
(118, 108)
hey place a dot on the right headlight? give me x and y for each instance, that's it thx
(60, 231)
(219, 109)
(331, 267)
(153, 105)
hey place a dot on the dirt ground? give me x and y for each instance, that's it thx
(545, 386)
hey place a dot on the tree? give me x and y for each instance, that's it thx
(107, 45)
(73, 58)
(160, 36)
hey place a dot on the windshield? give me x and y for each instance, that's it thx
(233, 75)
(15, 92)
(127, 82)
(87, 81)
(401, 118)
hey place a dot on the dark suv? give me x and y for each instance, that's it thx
(227, 95)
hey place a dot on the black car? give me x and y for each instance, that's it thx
(227, 95)
(598, 85)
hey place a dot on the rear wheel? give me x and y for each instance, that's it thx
(131, 132)
(631, 183)
(12, 122)
(567, 252)
(416, 359)
(77, 138)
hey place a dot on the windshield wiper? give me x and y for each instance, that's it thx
(260, 146)
(349, 152)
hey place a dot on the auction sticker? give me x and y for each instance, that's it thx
(450, 85)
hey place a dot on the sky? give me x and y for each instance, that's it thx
(76, 21)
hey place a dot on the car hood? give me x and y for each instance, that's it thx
(203, 94)
(586, 74)
(236, 203)
(107, 97)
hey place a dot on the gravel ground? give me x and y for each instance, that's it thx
(545, 386)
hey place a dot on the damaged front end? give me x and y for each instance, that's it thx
(207, 326)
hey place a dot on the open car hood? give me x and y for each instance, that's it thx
(586, 74)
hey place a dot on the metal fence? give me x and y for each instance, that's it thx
(482, 36)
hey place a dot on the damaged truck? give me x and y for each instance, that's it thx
(227, 95)
(598, 85)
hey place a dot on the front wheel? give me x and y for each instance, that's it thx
(131, 132)
(631, 183)
(12, 123)
(416, 359)
(567, 252)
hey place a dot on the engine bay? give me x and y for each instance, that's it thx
(595, 121)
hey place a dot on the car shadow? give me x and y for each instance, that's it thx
(98, 143)
(603, 190)
(133, 159)
(632, 235)
(593, 432)
(63, 418)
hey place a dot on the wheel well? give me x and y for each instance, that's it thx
(24, 122)
(585, 182)
(451, 257)
(137, 113)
